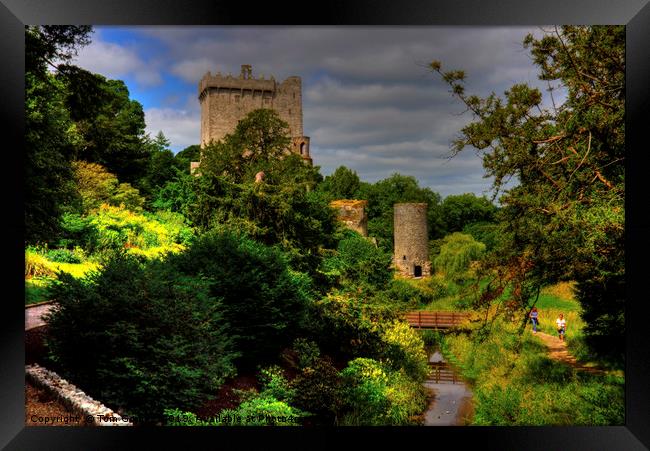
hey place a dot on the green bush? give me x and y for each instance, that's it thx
(275, 384)
(262, 410)
(262, 299)
(140, 338)
(307, 352)
(373, 395)
(408, 295)
(62, 256)
(456, 254)
(406, 350)
(318, 390)
(338, 323)
(359, 261)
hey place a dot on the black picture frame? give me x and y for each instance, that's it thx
(635, 14)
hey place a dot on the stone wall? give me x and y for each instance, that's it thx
(72, 397)
(411, 239)
(225, 100)
(352, 213)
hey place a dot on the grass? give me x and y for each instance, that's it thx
(515, 383)
(36, 290)
(39, 271)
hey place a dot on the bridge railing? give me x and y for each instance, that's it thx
(423, 319)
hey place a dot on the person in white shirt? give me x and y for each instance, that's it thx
(561, 326)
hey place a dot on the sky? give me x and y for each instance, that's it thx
(369, 100)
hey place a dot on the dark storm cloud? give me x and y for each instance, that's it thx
(369, 100)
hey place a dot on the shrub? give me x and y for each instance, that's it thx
(406, 350)
(365, 393)
(318, 390)
(275, 384)
(37, 265)
(307, 352)
(147, 234)
(262, 299)
(262, 410)
(360, 261)
(439, 288)
(456, 254)
(62, 256)
(140, 338)
(375, 395)
(341, 328)
(408, 295)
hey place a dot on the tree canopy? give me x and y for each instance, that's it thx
(565, 217)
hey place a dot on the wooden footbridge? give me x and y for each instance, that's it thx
(424, 319)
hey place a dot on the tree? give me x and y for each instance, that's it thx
(342, 184)
(140, 338)
(464, 209)
(183, 158)
(110, 126)
(565, 218)
(49, 133)
(381, 197)
(259, 140)
(161, 167)
(456, 253)
(261, 299)
(95, 186)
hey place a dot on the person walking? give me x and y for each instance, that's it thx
(534, 318)
(561, 326)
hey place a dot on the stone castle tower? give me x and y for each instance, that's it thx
(225, 100)
(411, 256)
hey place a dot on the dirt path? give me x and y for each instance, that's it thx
(558, 351)
(33, 315)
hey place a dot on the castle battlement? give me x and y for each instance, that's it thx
(226, 99)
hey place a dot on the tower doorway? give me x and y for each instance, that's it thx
(417, 271)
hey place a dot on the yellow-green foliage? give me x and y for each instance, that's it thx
(145, 234)
(374, 395)
(408, 349)
(36, 265)
(556, 299)
(515, 382)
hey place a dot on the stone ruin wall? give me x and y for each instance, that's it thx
(411, 239)
(225, 100)
(353, 214)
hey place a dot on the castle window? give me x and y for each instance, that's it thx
(417, 271)
(289, 110)
(302, 148)
(404, 258)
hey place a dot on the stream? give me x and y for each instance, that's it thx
(452, 402)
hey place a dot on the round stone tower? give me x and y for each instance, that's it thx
(411, 240)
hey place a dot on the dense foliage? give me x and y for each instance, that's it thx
(140, 338)
(263, 301)
(565, 218)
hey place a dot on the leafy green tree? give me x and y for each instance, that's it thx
(49, 133)
(95, 186)
(359, 261)
(109, 124)
(183, 158)
(456, 253)
(142, 339)
(566, 215)
(461, 210)
(161, 167)
(342, 184)
(262, 299)
(381, 197)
